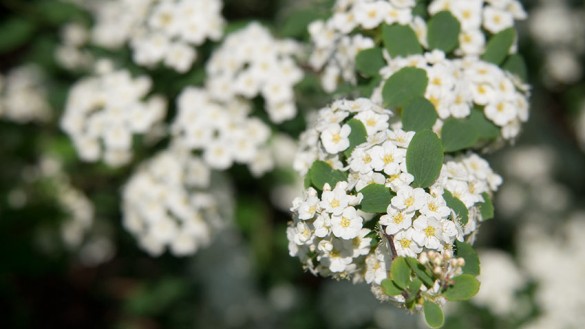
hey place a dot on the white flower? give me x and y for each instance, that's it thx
(435, 207)
(387, 158)
(405, 245)
(347, 225)
(374, 122)
(427, 232)
(409, 199)
(496, 20)
(335, 138)
(335, 201)
(396, 220)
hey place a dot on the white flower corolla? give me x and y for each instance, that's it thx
(23, 95)
(405, 244)
(396, 220)
(165, 207)
(347, 225)
(224, 132)
(252, 62)
(335, 138)
(327, 231)
(409, 199)
(428, 232)
(164, 31)
(104, 111)
(456, 87)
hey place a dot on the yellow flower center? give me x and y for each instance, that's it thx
(430, 231)
(345, 222)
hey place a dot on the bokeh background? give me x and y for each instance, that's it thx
(66, 261)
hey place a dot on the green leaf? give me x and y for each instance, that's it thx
(400, 40)
(486, 208)
(390, 288)
(413, 289)
(357, 136)
(464, 287)
(468, 253)
(307, 180)
(369, 61)
(420, 271)
(366, 90)
(443, 32)
(516, 65)
(457, 134)
(59, 12)
(405, 85)
(295, 25)
(15, 32)
(458, 206)
(434, 316)
(400, 272)
(418, 114)
(499, 46)
(424, 158)
(322, 173)
(486, 130)
(376, 198)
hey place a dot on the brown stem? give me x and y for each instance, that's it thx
(390, 238)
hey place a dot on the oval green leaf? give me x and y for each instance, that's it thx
(458, 207)
(420, 271)
(486, 208)
(369, 61)
(424, 158)
(322, 173)
(499, 46)
(404, 85)
(468, 253)
(390, 288)
(357, 136)
(516, 65)
(434, 316)
(457, 135)
(443, 32)
(376, 198)
(464, 287)
(400, 272)
(418, 114)
(486, 130)
(400, 40)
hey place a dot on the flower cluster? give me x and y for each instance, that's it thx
(456, 87)
(104, 111)
(478, 17)
(335, 47)
(159, 31)
(251, 62)
(174, 201)
(557, 29)
(223, 131)
(335, 229)
(23, 95)
(336, 42)
(71, 54)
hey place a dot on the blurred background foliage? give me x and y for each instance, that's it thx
(245, 279)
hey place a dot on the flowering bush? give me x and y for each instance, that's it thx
(359, 136)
